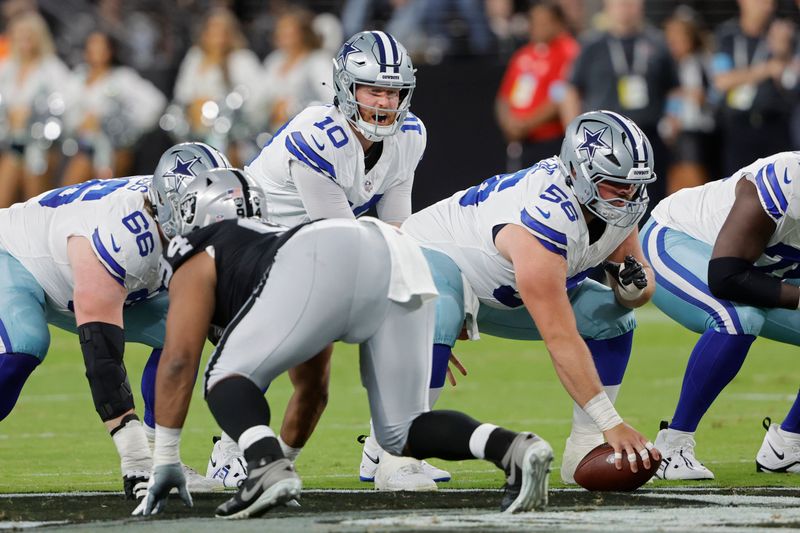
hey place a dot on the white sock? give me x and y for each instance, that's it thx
(478, 440)
(289, 452)
(226, 439)
(584, 430)
(133, 448)
(433, 395)
(253, 435)
(371, 445)
(789, 437)
(150, 433)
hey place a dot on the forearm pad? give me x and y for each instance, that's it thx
(737, 280)
(102, 346)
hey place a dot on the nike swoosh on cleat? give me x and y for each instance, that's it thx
(213, 462)
(375, 460)
(249, 492)
(778, 455)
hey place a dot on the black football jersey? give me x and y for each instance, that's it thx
(243, 251)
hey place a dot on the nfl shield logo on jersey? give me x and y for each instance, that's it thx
(368, 186)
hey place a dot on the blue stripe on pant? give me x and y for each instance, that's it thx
(683, 294)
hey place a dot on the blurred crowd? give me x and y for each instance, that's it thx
(84, 84)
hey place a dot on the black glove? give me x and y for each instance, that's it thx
(631, 271)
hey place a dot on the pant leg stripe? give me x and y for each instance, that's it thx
(685, 285)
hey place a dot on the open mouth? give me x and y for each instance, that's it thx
(383, 119)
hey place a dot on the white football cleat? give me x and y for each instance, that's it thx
(371, 458)
(198, 483)
(677, 456)
(402, 473)
(776, 454)
(574, 451)
(227, 464)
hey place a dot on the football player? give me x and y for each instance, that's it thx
(726, 257)
(513, 256)
(357, 281)
(85, 258)
(339, 161)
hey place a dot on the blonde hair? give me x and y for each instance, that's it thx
(38, 26)
(235, 34)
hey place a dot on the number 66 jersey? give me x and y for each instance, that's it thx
(110, 214)
(538, 199)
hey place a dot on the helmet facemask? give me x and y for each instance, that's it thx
(617, 211)
(365, 60)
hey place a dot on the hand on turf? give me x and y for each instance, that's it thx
(456, 363)
(631, 271)
(625, 440)
(164, 479)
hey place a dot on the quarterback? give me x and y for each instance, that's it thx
(340, 161)
(513, 255)
(726, 256)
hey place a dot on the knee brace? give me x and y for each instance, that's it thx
(102, 346)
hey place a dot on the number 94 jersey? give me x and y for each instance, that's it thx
(536, 198)
(321, 139)
(110, 214)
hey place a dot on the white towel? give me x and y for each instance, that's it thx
(471, 306)
(410, 274)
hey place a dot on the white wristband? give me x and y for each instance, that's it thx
(167, 446)
(602, 412)
(626, 293)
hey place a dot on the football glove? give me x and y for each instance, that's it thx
(631, 271)
(163, 479)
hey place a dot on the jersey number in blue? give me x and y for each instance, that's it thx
(336, 134)
(554, 194)
(91, 190)
(138, 225)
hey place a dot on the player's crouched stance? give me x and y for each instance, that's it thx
(357, 281)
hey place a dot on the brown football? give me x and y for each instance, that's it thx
(597, 472)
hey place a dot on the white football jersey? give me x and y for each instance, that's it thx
(320, 137)
(701, 211)
(111, 214)
(537, 198)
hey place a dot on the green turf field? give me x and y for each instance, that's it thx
(54, 441)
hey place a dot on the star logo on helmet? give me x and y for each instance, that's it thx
(347, 49)
(592, 140)
(183, 168)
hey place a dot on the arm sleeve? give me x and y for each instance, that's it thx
(321, 197)
(395, 206)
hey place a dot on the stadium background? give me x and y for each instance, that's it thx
(459, 68)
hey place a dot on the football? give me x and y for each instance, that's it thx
(597, 472)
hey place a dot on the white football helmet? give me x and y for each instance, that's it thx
(606, 146)
(177, 167)
(376, 59)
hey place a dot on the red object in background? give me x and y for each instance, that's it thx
(533, 72)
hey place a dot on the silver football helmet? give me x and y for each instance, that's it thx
(376, 59)
(603, 146)
(216, 195)
(175, 170)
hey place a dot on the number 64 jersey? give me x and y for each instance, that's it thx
(110, 214)
(536, 198)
